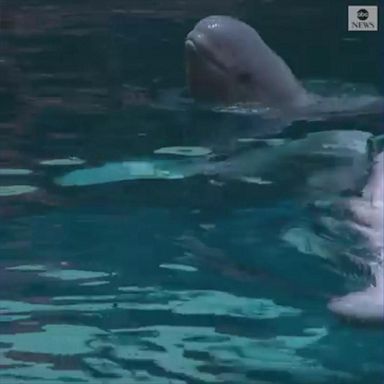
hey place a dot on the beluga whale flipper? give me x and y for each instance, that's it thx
(227, 63)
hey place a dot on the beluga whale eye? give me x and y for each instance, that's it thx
(244, 77)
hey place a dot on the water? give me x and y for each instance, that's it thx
(176, 272)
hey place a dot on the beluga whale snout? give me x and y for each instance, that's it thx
(228, 62)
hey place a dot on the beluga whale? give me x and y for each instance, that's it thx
(367, 211)
(228, 63)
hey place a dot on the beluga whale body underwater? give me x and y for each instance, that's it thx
(348, 233)
(228, 63)
(367, 222)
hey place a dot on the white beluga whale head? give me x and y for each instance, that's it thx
(228, 62)
(368, 305)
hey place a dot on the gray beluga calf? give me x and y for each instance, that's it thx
(227, 62)
(368, 305)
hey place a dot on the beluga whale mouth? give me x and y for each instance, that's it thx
(196, 50)
(207, 73)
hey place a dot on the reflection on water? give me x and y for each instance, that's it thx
(40, 342)
(239, 313)
(143, 240)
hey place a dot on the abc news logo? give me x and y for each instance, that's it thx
(362, 18)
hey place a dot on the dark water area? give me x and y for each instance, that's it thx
(123, 264)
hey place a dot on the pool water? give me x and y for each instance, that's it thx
(146, 240)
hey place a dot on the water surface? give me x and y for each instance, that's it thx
(168, 274)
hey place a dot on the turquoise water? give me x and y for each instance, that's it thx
(120, 264)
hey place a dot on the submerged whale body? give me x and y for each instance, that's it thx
(227, 62)
(348, 232)
(368, 305)
(345, 151)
